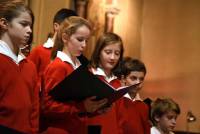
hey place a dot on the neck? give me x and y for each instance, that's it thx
(10, 44)
(132, 95)
(73, 58)
(54, 37)
(108, 73)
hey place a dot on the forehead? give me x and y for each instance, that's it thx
(113, 46)
(82, 31)
(138, 74)
(24, 16)
(171, 114)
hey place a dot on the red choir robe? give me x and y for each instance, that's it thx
(40, 56)
(107, 121)
(19, 95)
(133, 116)
(60, 118)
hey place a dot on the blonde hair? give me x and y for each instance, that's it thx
(68, 26)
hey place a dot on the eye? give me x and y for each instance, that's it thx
(108, 51)
(25, 24)
(133, 78)
(171, 117)
(81, 39)
(117, 53)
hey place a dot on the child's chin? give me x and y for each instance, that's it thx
(171, 128)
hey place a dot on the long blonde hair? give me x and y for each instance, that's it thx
(68, 26)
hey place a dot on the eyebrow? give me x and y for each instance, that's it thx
(26, 21)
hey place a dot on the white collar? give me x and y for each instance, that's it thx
(154, 130)
(65, 58)
(137, 97)
(5, 50)
(20, 56)
(100, 71)
(49, 43)
(129, 97)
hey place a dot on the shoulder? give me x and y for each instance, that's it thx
(29, 65)
(58, 63)
(140, 104)
(37, 48)
(58, 66)
(6, 64)
(40, 48)
(4, 58)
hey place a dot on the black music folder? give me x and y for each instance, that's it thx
(81, 83)
(7, 130)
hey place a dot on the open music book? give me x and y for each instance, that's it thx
(81, 83)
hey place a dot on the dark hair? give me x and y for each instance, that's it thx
(68, 26)
(31, 36)
(103, 41)
(161, 106)
(12, 9)
(128, 65)
(63, 14)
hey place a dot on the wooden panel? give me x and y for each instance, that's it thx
(170, 49)
(44, 11)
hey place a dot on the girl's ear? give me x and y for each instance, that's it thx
(65, 38)
(3, 23)
(56, 27)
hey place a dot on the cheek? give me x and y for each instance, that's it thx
(73, 45)
(101, 58)
(71, 48)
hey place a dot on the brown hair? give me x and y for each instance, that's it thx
(68, 26)
(103, 41)
(10, 9)
(162, 106)
(128, 65)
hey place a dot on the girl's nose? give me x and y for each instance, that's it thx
(84, 44)
(29, 30)
(112, 56)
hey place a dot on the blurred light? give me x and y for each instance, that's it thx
(190, 117)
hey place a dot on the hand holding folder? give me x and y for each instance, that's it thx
(81, 84)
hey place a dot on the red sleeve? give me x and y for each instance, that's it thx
(35, 100)
(52, 76)
(144, 115)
